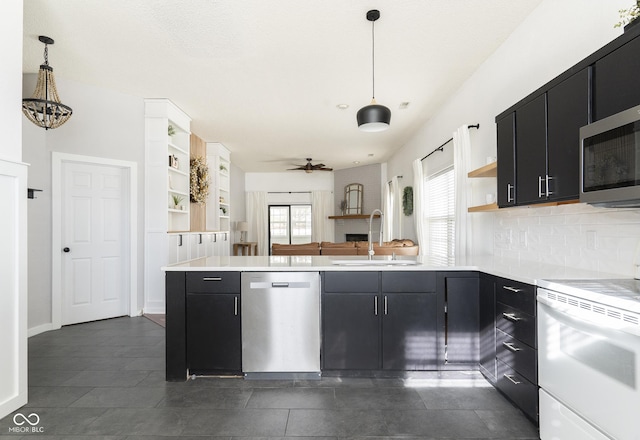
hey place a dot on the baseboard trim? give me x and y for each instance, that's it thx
(39, 329)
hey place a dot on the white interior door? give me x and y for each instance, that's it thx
(95, 241)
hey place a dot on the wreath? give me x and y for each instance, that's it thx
(199, 187)
(407, 200)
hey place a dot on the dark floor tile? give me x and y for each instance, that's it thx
(329, 381)
(54, 397)
(336, 423)
(457, 424)
(237, 382)
(113, 397)
(141, 421)
(205, 397)
(49, 378)
(295, 397)
(146, 363)
(57, 421)
(378, 398)
(239, 422)
(510, 424)
(106, 378)
(135, 340)
(139, 351)
(56, 363)
(463, 398)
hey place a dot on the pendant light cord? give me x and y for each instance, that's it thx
(373, 61)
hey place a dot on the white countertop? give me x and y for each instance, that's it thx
(523, 271)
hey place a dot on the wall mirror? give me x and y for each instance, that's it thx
(353, 199)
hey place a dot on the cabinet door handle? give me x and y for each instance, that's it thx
(509, 197)
(548, 179)
(511, 317)
(200, 238)
(541, 193)
(211, 278)
(375, 305)
(385, 304)
(511, 379)
(179, 239)
(512, 289)
(511, 347)
(235, 306)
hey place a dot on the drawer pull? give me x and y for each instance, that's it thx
(511, 317)
(211, 278)
(511, 379)
(510, 346)
(512, 289)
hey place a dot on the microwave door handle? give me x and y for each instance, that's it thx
(548, 179)
(540, 190)
(579, 321)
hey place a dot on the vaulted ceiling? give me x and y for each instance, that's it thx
(265, 77)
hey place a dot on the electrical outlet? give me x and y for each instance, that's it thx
(592, 240)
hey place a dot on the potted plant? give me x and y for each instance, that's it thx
(176, 201)
(629, 17)
(223, 168)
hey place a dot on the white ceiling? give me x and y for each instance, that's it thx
(264, 77)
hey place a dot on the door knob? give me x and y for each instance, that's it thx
(66, 249)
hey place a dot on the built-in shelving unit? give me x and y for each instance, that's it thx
(219, 201)
(166, 177)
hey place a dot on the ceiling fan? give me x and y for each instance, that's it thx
(309, 167)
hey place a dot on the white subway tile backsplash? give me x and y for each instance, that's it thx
(576, 235)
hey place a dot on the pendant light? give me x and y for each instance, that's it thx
(44, 107)
(373, 117)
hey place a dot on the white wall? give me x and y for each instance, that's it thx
(290, 181)
(238, 199)
(557, 35)
(13, 233)
(104, 124)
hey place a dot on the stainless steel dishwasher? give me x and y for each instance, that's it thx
(280, 325)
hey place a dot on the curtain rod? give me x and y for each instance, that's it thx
(399, 177)
(441, 147)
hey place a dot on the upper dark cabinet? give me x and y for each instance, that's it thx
(506, 161)
(531, 151)
(567, 111)
(617, 80)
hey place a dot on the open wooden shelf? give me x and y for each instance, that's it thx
(489, 170)
(483, 208)
(352, 216)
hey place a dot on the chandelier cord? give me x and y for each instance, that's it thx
(46, 54)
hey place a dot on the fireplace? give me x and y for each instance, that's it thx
(356, 237)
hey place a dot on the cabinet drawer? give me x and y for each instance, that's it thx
(517, 355)
(521, 326)
(518, 295)
(408, 282)
(350, 282)
(213, 282)
(518, 389)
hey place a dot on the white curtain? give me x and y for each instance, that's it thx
(322, 228)
(258, 220)
(387, 209)
(461, 152)
(419, 212)
(397, 208)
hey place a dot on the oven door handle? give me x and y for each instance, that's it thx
(581, 316)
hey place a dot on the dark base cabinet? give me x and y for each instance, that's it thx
(375, 321)
(214, 335)
(487, 331)
(519, 390)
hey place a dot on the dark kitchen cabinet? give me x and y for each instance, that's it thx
(378, 321)
(616, 80)
(487, 331)
(516, 344)
(460, 320)
(531, 151)
(409, 325)
(506, 136)
(567, 110)
(213, 326)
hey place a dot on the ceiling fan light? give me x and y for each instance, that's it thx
(373, 118)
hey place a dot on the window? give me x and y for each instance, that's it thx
(289, 224)
(440, 216)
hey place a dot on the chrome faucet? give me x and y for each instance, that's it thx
(371, 251)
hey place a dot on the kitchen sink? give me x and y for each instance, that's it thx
(374, 262)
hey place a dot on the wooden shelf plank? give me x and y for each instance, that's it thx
(489, 170)
(352, 216)
(483, 208)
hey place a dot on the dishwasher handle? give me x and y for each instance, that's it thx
(279, 284)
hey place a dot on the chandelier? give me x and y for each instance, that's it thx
(44, 107)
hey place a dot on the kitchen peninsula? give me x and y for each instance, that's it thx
(380, 318)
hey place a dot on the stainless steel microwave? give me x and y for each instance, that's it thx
(610, 160)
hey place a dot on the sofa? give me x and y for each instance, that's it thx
(397, 247)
